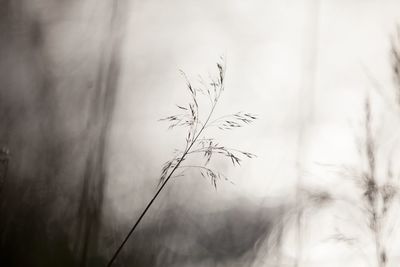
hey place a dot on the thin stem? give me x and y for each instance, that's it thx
(187, 150)
(201, 150)
(143, 213)
(218, 119)
(195, 166)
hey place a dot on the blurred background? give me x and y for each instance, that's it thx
(84, 84)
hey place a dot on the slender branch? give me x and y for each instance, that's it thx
(143, 213)
(187, 150)
(218, 119)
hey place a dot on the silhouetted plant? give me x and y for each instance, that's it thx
(377, 191)
(375, 195)
(196, 142)
(377, 199)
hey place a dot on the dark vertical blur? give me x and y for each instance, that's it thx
(29, 131)
(53, 132)
(100, 116)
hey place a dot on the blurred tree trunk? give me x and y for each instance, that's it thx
(100, 120)
(43, 110)
(29, 131)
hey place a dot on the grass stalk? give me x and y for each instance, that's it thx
(194, 144)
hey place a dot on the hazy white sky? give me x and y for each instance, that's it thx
(285, 60)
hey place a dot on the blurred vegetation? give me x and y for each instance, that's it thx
(48, 151)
